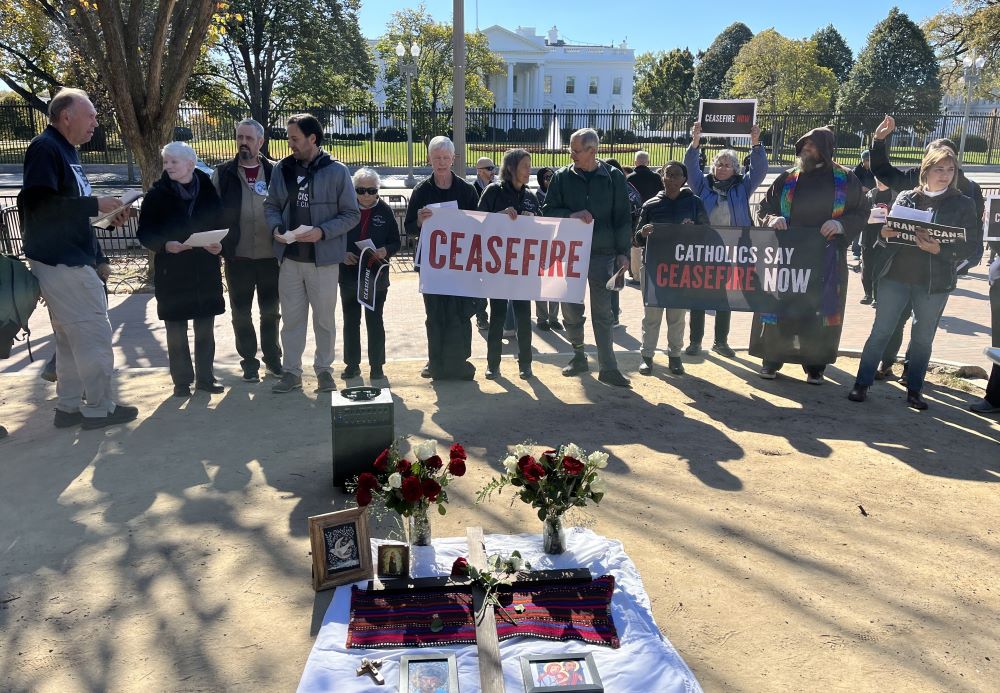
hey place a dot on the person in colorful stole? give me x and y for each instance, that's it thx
(823, 195)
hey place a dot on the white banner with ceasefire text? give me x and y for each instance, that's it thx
(482, 255)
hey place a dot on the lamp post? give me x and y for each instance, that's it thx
(973, 66)
(409, 69)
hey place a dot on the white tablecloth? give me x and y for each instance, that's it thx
(645, 662)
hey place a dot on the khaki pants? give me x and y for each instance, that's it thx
(652, 318)
(301, 286)
(78, 309)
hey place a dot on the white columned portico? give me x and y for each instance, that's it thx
(539, 85)
(510, 85)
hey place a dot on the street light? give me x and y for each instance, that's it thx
(410, 70)
(973, 66)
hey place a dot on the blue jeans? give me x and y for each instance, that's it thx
(893, 298)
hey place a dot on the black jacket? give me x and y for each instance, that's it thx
(383, 232)
(231, 193)
(660, 209)
(952, 209)
(499, 196)
(187, 285)
(427, 193)
(646, 182)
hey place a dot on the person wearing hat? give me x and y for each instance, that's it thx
(864, 171)
(819, 194)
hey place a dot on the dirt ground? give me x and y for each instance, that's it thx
(172, 554)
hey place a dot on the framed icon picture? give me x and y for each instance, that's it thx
(340, 548)
(423, 673)
(561, 672)
(393, 561)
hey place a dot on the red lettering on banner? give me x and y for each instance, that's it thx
(437, 236)
(456, 248)
(475, 254)
(574, 257)
(685, 282)
(511, 256)
(529, 254)
(493, 244)
(557, 253)
(706, 277)
(543, 257)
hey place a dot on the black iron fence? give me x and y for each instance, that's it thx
(377, 137)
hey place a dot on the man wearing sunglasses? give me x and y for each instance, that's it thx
(485, 174)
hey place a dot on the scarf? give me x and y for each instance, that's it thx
(722, 187)
(188, 192)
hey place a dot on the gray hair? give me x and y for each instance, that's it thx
(440, 142)
(252, 123)
(182, 150)
(366, 174)
(64, 100)
(511, 160)
(730, 154)
(642, 158)
(588, 137)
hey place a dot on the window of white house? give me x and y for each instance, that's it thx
(593, 85)
(515, 84)
(616, 86)
(548, 84)
(571, 85)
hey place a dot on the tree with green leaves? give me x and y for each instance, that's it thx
(897, 73)
(782, 73)
(714, 63)
(433, 84)
(970, 26)
(664, 82)
(833, 52)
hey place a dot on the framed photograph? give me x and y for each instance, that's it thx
(393, 561)
(428, 674)
(564, 672)
(340, 548)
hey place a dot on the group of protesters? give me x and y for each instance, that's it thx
(294, 229)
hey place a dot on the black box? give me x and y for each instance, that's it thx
(362, 425)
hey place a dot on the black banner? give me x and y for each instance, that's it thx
(907, 231)
(726, 118)
(370, 268)
(991, 225)
(754, 269)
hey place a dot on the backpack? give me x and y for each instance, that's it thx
(19, 294)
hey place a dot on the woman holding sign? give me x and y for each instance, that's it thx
(923, 274)
(187, 280)
(726, 195)
(511, 197)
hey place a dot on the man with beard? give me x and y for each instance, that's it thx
(312, 195)
(250, 262)
(823, 195)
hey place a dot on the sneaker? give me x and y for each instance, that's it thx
(616, 323)
(67, 419)
(482, 324)
(274, 369)
(675, 365)
(724, 349)
(324, 382)
(814, 378)
(614, 377)
(492, 372)
(182, 390)
(288, 382)
(915, 401)
(211, 386)
(426, 372)
(555, 324)
(694, 348)
(525, 373)
(984, 407)
(48, 374)
(121, 414)
(543, 325)
(351, 372)
(251, 375)
(376, 373)
(884, 373)
(646, 368)
(768, 373)
(858, 393)
(578, 364)
(867, 300)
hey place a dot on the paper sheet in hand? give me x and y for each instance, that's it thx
(877, 215)
(203, 238)
(900, 212)
(450, 204)
(367, 243)
(104, 221)
(292, 236)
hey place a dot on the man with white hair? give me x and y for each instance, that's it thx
(448, 322)
(250, 263)
(57, 204)
(648, 183)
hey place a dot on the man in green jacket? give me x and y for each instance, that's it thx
(594, 193)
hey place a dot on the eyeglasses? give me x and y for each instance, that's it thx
(367, 191)
(487, 168)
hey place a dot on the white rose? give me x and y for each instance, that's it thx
(521, 450)
(598, 459)
(574, 451)
(510, 464)
(426, 449)
(516, 562)
(395, 480)
(598, 486)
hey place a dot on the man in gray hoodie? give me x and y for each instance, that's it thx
(310, 195)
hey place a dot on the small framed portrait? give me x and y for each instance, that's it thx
(340, 548)
(428, 674)
(393, 561)
(564, 672)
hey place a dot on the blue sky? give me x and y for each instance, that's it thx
(651, 26)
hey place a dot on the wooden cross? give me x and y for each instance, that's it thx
(370, 667)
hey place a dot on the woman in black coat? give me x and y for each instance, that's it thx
(378, 224)
(187, 280)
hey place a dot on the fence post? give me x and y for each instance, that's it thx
(990, 141)
(131, 166)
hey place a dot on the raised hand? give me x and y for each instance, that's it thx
(885, 128)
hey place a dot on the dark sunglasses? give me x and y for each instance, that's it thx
(487, 168)
(367, 191)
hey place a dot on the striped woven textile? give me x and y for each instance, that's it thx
(554, 612)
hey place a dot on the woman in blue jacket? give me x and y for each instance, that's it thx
(726, 195)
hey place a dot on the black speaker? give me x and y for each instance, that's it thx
(362, 425)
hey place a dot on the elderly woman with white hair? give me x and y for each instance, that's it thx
(726, 195)
(187, 281)
(378, 225)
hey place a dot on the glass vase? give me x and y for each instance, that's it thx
(418, 527)
(553, 536)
